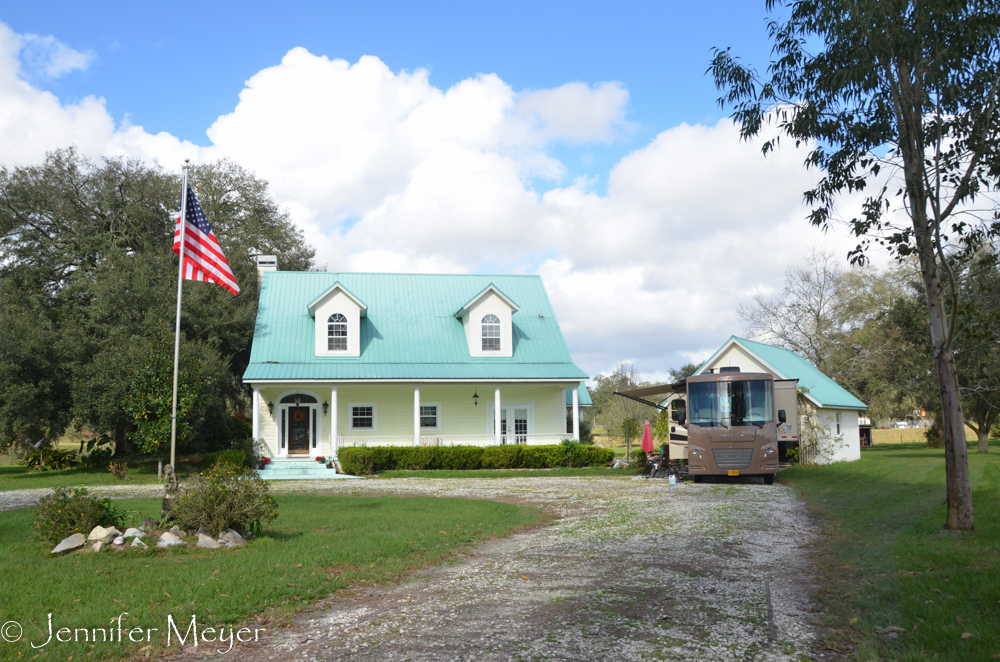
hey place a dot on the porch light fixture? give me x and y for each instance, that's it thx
(475, 398)
(298, 400)
(270, 408)
(326, 407)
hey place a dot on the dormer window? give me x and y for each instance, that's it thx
(337, 333)
(338, 326)
(491, 333)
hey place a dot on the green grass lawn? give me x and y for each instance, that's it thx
(886, 561)
(511, 473)
(318, 545)
(17, 477)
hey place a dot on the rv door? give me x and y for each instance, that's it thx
(786, 398)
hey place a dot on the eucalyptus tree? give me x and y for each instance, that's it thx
(894, 99)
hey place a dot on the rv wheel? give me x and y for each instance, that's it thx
(769, 479)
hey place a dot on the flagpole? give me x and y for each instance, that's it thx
(177, 327)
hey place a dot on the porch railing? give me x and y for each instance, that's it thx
(452, 440)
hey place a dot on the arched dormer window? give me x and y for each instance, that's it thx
(491, 333)
(336, 333)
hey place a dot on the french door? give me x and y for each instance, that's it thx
(515, 422)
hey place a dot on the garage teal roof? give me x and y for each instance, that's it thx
(789, 365)
(410, 331)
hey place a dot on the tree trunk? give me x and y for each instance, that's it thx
(983, 434)
(956, 459)
(122, 445)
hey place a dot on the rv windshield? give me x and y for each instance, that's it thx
(730, 403)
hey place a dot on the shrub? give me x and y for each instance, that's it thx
(364, 461)
(586, 433)
(639, 457)
(225, 497)
(237, 458)
(96, 455)
(99, 457)
(119, 470)
(51, 458)
(72, 510)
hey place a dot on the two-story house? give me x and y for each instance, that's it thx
(349, 359)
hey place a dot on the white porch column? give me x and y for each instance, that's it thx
(255, 403)
(496, 416)
(333, 422)
(416, 415)
(576, 414)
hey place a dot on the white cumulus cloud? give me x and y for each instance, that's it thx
(385, 171)
(51, 58)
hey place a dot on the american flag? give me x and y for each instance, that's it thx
(203, 258)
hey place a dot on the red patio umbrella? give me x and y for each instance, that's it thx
(647, 439)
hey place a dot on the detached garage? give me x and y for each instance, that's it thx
(831, 427)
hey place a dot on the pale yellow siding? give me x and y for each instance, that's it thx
(394, 408)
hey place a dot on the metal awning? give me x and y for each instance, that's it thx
(639, 394)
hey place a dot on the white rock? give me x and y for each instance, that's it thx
(176, 530)
(169, 540)
(137, 544)
(231, 538)
(98, 546)
(120, 540)
(207, 541)
(134, 533)
(70, 543)
(99, 533)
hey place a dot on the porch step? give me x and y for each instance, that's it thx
(282, 468)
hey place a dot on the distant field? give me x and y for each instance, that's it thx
(909, 436)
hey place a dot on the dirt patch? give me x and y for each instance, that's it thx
(630, 570)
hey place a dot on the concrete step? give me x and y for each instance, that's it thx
(296, 469)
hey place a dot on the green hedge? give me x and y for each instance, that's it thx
(364, 461)
(237, 458)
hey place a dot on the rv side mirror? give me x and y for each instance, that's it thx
(781, 416)
(681, 418)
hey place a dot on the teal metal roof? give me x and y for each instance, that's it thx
(584, 396)
(410, 331)
(789, 365)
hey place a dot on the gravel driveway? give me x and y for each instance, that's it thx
(632, 569)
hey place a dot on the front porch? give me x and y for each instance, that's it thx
(309, 419)
(453, 440)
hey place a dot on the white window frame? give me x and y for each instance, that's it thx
(838, 419)
(437, 417)
(282, 408)
(346, 336)
(482, 333)
(350, 416)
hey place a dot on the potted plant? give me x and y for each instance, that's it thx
(320, 459)
(264, 461)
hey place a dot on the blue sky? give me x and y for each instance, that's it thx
(578, 141)
(176, 67)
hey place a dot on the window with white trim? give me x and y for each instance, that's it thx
(838, 422)
(336, 331)
(364, 416)
(430, 416)
(491, 333)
